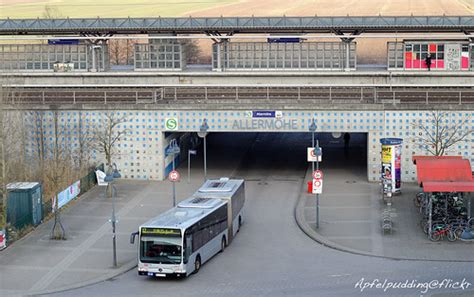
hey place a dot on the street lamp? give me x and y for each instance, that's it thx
(173, 149)
(190, 152)
(312, 129)
(109, 178)
(203, 133)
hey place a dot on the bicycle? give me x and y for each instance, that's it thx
(442, 230)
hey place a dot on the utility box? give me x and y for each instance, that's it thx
(24, 206)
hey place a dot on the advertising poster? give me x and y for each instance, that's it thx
(391, 164)
(70, 193)
(3, 239)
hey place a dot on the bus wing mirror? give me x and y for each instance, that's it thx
(132, 237)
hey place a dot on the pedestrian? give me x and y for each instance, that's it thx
(428, 61)
(347, 138)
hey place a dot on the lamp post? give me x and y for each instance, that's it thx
(312, 129)
(190, 152)
(109, 178)
(203, 133)
(173, 149)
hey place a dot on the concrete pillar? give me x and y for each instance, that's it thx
(347, 44)
(219, 56)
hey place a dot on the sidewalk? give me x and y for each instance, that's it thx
(37, 264)
(350, 210)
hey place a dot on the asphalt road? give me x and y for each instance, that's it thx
(271, 256)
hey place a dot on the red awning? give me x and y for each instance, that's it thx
(443, 170)
(415, 158)
(448, 187)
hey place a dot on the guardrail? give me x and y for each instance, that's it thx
(199, 94)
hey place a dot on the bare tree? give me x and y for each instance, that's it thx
(441, 132)
(85, 144)
(3, 186)
(191, 51)
(51, 12)
(109, 133)
(121, 51)
(11, 149)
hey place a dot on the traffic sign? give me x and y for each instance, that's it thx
(317, 174)
(317, 186)
(315, 154)
(173, 176)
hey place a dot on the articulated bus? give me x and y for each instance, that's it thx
(181, 239)
(231, 190)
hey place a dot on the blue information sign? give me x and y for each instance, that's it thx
(63, 41)
(284, 40)
(263, 114)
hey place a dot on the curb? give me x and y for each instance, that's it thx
(303, 225)
(121, 270)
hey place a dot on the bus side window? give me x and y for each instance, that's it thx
(188, 247)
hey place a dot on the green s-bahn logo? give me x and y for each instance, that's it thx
(171, 124)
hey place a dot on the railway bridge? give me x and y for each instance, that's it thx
(279, 79)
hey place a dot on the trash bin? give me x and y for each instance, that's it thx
(310, 187)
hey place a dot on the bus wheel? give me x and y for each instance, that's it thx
(240, 223)
(197, 264)
(223, 244)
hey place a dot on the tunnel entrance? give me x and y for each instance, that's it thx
(277, 155)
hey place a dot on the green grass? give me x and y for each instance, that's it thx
(107, 8)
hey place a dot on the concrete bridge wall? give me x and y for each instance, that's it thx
(140, 155)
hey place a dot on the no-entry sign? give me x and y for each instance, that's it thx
(173, 176)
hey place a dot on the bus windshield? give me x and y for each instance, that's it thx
(160, 249)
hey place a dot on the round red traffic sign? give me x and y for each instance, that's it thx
(317, 174)
(173, 176)
(317, 183)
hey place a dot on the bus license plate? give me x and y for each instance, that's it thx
(160, 274)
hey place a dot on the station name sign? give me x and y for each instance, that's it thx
(264, 114)
(265, 124)
(161, 231)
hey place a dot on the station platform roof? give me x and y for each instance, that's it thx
(227, 25)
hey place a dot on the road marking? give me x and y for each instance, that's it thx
(339, 275)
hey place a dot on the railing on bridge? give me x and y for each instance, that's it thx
(222, 94)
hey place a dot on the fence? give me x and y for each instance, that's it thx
(200, 94)
(87, 182)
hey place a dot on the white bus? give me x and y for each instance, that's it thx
(181, 239)
(232, 191)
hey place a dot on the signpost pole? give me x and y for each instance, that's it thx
(312, 129)
(189, 166)
(312, 145)
(114, 236)
(205, 159)
(317, 195)
(174, 187)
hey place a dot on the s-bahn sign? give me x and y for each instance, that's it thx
(171, 124)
